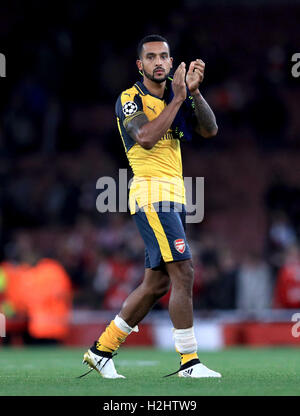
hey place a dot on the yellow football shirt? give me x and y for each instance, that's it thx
(158, 171)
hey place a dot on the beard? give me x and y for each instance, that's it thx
(152, 76)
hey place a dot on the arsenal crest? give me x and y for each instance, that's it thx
(179, 245)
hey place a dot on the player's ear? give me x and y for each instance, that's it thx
(139, 65)
(171, 60)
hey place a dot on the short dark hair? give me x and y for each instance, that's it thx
(150, 38)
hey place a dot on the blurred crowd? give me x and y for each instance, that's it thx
(58, 136)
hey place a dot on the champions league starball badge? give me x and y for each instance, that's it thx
(129, 108)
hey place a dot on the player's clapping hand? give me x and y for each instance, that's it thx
(178, 83)
(195, 75)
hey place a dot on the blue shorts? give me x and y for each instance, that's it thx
(163, 233)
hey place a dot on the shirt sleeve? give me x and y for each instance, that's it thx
(128, 106)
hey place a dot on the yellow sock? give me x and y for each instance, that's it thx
(188, 357)
(111, 338)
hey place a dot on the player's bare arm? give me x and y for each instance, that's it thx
(206, 126)
(148, 133)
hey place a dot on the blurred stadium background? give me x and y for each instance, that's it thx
(66, 268)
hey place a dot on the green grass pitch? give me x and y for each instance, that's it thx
(53, 371)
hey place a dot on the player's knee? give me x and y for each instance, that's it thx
(183, 276)
(184, 269)
(159, 288)
(162, 289)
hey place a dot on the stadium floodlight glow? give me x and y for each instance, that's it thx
(2, 66)
(2, 326)
(113, 196)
